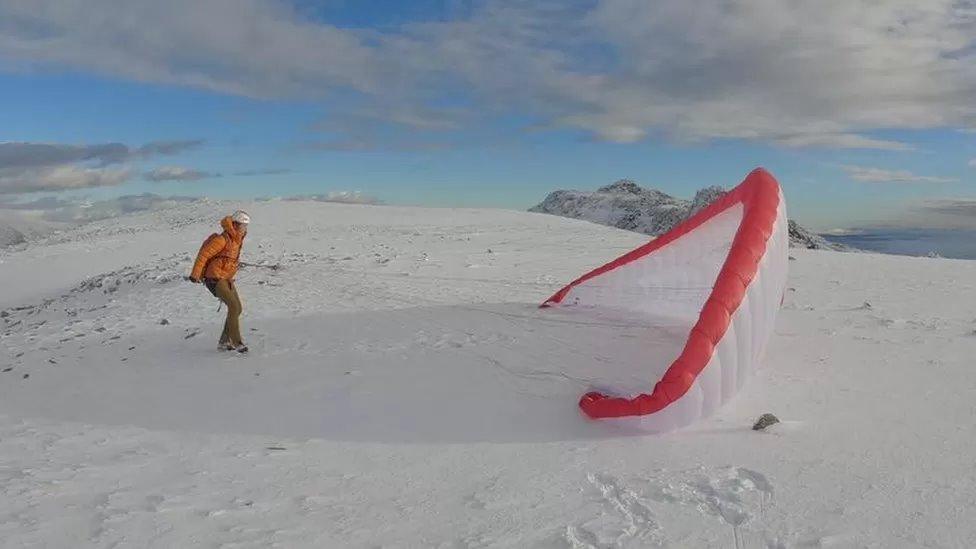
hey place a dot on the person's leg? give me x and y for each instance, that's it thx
(234, 329)
(211, 284)
(227, 294)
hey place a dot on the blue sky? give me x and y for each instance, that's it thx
(860, 110)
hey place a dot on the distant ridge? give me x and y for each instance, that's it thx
(626, 205)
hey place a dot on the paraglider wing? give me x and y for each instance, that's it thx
(724, 270)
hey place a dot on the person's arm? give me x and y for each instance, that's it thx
(208, 250)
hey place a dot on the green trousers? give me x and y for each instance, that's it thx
(227, 293)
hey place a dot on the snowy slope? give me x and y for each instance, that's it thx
(404, 391)
(17, 227)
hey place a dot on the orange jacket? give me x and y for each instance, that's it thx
(218, 255)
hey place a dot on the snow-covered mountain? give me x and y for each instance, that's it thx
(404, 390)
(627, 205)
(18, 228)
(21, 223)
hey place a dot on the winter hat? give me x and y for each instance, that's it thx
(240, 216)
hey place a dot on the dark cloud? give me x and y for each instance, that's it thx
(34, 167)
(37, 155)
(15, 155)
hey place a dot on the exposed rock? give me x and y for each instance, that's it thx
(623, 204)
(805, 238)
(10, 236)
(627, 205)
(765, 421)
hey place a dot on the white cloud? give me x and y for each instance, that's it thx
(176, 173)
(879, 175)
(972, 163)
(811, 74)
(60, 178)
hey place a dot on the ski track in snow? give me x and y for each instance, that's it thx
(404, 391)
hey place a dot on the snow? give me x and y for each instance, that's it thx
(403, 390)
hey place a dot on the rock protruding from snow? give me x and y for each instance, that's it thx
(805, 238)
(10, 236)
(626, 205)
(16, 228)
(704, 197)
(765, 421)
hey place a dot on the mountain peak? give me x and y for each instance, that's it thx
(622, 186)
(626, 205)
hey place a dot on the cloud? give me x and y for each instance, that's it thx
(972, 163)
(272, 171)
(841, 141)
(34, 167)
(800, 74)
(374, 144)
(942, 214)
(177, 173)
(60, 178)
(381, 129)
(879, 175)
(962, 208)
(342, 197)
(167, 148)
(35, 155)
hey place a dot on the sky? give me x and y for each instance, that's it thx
(862, 110)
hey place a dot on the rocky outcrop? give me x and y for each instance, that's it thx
(627, 205)
(805, 238)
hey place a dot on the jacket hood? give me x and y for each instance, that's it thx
(227, 223)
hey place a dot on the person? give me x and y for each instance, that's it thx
(215, 266)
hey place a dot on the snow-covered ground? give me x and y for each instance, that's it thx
(403, 390)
